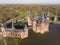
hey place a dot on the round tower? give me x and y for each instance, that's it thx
(47, 27)
(55, 17)
(34, 27)
(24, 33)
(47, 15)
(29, 17)
(42, 27)
(3, 29)
(26, 30)
(38, 28)
(38, 25)
(42, 24)
(41, 11)
(13, 25)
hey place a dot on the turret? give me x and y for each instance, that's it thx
(29, 13)
(42, 27)
(43, 18)
(35, 23)
(25, 28)
(38, 26)
(24, 33)
(47, 15)
(41, 11)
(42, 24)
(3, 29)
(45, 23)
(13, 25)
(55, 17)
(29, 18)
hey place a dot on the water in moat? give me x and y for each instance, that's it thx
(49, 38)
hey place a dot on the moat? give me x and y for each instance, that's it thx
(50, 38)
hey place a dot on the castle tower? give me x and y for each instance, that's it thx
(55, 17)
(3, 29)
(38, 26)
(46, 27)
(42, 25)
(46, 22)
(34, 27)
(41, 11)
(43, 18)
(29, 18)
(24, 33)
(26, 30)
(47, 15)
(13, 25)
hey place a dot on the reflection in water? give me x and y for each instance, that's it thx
(50, 38)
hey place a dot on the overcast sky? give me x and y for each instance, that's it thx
(29, 1)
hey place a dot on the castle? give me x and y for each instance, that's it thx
(39, 24)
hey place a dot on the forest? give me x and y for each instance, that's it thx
(8, 12)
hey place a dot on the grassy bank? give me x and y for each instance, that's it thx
(13, 41)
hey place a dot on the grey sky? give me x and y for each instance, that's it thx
(29, 1)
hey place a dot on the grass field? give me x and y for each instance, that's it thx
(12, 41)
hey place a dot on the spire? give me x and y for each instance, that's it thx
(41, 11)
(47, 13)
(29, 13)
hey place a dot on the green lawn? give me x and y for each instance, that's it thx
(1, 42)
(12, 41)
